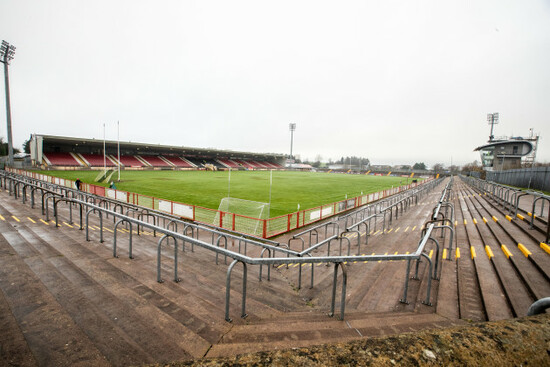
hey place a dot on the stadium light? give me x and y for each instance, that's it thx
(292, 128)
(492, 119)
(7, 53)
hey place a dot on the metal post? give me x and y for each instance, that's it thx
(6, 52)
(118, 147)
(292, 127)
(270, 184)
(104, 152)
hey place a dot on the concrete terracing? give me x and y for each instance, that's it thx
(66, 301)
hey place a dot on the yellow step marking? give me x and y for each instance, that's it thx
(413, 228)
(520, 216)
(366, 261)
(295, 265)
(67, 224)
(473, 251)
(465, 222)
(371, 232)
(431, 253)
(489, 252)
(545, 247)
(406, 229)
(280, 266)
(92, 228)
(457, 253)
(1, 217)
(421, 228)
(524, 250)
(397, 230)
(43, 221)
(391, 229)
(456, 223)
(475, 221)
(444, 253)
(484, 220)
(495, 219)
(32, 220)
(376, 232)
(506, 251)
(381, 260)
(14, 217)
(509, 218)
(107, 229)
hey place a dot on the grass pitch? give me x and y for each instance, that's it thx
(207, 188)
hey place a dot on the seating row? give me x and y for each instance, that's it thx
(96, 160)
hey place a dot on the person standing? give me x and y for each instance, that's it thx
(78, 184)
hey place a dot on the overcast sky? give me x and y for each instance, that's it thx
(394, 81)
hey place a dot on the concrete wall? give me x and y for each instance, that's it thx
(537, 178)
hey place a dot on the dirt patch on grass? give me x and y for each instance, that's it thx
(517, 342)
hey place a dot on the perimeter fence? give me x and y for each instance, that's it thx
(264, 228)
(537, 178)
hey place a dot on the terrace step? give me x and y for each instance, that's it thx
(50, 332)
(88, 290)
(308, 329)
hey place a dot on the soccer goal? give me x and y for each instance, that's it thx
(244, 208)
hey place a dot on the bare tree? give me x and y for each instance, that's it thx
(438, 168)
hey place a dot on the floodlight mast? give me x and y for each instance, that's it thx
(492, 119)
(292, 128)
(7, 53)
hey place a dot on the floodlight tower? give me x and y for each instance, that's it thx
(7, 52)
(291, 127)
(492, 119)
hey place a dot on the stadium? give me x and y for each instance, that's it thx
(172, 281)
(391, 235)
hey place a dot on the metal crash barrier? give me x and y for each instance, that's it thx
(174, 230)
(509, 198)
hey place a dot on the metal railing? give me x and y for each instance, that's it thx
(509, 197)
(84, 202)
(265, 228)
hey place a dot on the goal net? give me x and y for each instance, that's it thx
(248, 212)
